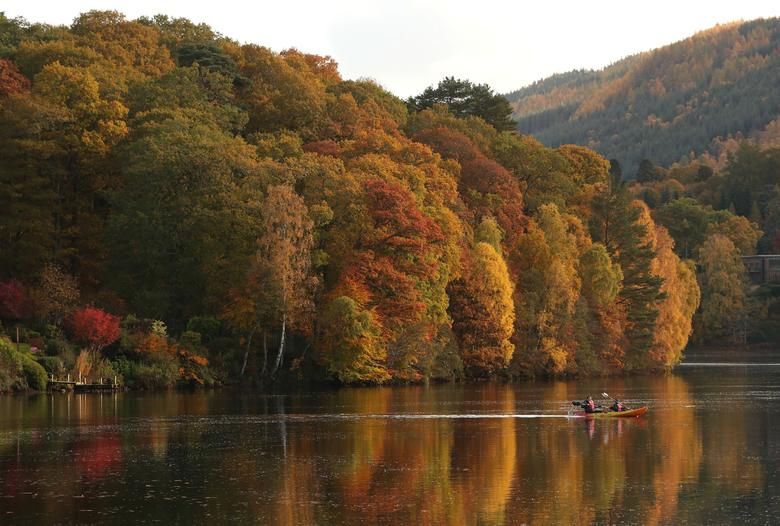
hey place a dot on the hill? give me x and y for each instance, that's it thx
(663, 104)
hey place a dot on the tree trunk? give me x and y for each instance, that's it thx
(246, 351)
(265, 352)
(281, 346)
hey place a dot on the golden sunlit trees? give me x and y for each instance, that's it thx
(722, 288)
(282, 92)
(284, 249)
(483, 313)
(740, 230)
(180, 175)
(393, 270)
(350, 343)
(278, 289)
(546, 260)
(675, 311)
(601, 276)
(133, 50)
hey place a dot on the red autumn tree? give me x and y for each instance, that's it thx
(487, 187)
(14, 301)
(449, 143)
(94, 328)
(398, 221)
(396, 254)
(379, 282)
(11, 81)
(492, 190)
(327, 147)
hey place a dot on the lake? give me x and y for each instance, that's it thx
(708, 452)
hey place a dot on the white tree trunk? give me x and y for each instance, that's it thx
(246, 351)
(281, 346)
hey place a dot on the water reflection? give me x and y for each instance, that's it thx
(339, 458)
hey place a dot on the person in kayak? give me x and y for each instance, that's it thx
(589, 405)
(617, 406)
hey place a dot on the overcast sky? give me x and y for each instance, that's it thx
(406, 45)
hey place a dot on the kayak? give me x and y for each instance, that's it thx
(639, 411)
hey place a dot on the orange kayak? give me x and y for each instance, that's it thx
(639, 411)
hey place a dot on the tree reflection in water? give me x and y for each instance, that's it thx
(345, 456)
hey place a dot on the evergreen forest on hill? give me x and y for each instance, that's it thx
(667, 105)
(179, 209)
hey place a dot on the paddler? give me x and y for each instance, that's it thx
(589, 405)
(617, 406)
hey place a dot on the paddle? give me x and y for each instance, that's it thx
(606, 395)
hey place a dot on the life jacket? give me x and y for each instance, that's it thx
(590, 406)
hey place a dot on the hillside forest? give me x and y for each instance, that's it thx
(693, 98)
(179, 209)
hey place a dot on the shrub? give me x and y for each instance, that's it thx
(52, 364)
(59, 347)
(34, 373)
(132, 323)
(159, 328)
(206, 326)
(139, 375)
(52, 332)
(10, 366)
(7, 380)
(106, 371)
(190, 339)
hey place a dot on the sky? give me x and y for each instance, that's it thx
(407, 45)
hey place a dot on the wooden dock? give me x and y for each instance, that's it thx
(84, 385)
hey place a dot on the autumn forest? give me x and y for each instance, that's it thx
(180, 209)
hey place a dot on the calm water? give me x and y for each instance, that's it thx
(707, 453)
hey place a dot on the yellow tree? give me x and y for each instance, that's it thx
(675, 311)
(483, 312)
(350, 343)
(740, 230)
(723, 288)
(283, 93)
(601, 276)
(545, 260)
(284, 251)
(131, 50)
